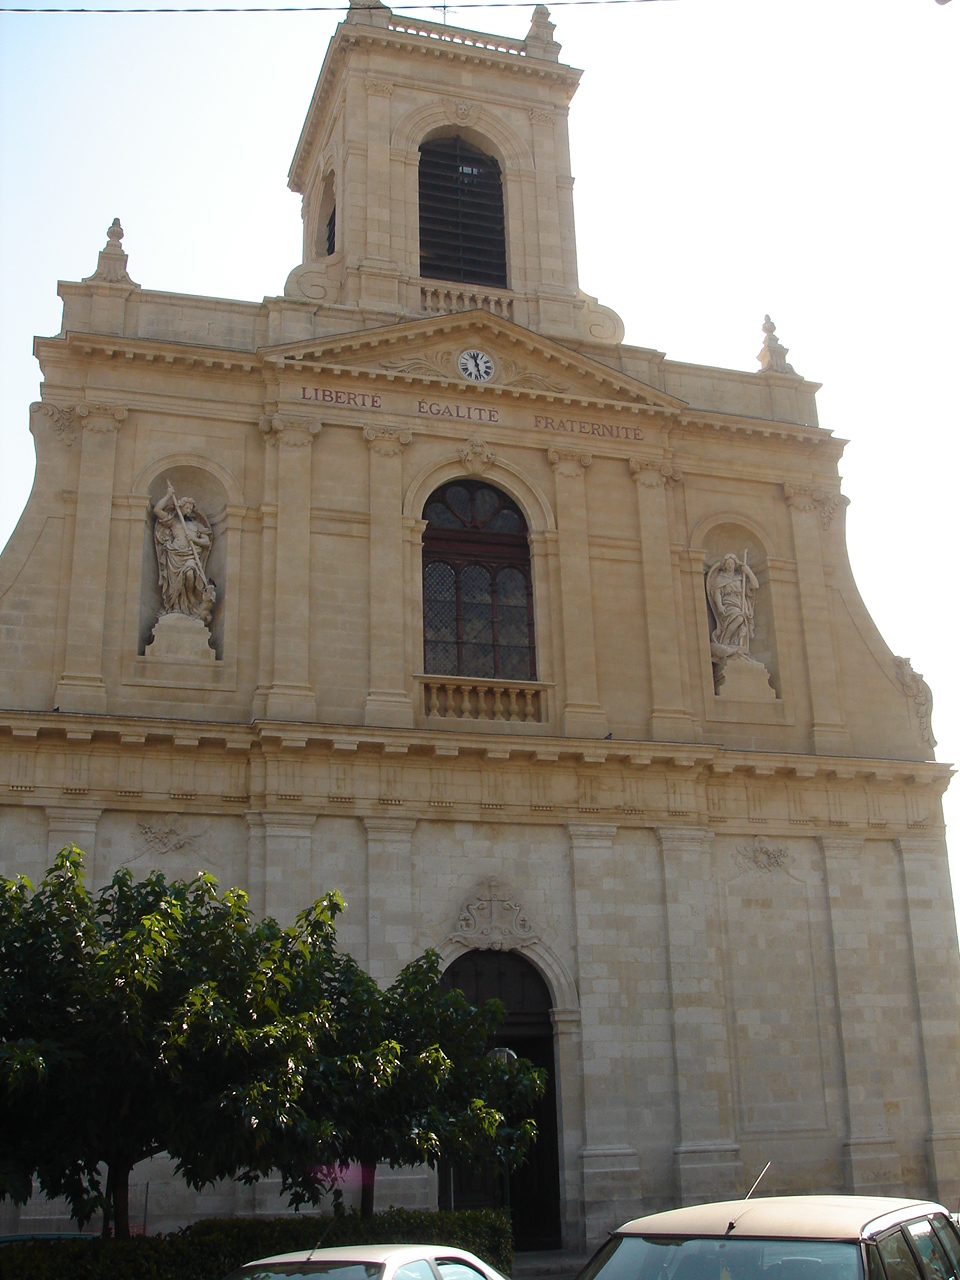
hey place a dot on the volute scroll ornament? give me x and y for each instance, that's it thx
(100, 419)
(570, 463)
(807, 497)
(290, 433)
(654, 475)
(917, 689)
(387, 441)
(62, 421)
(493, 919)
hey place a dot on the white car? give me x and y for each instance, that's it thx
(371, 1262)
(786, 1238)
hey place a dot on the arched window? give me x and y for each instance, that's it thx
(461, 215)
(477, 591)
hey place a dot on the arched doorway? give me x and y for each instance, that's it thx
(533, 1190)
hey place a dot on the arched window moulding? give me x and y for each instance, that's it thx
(541, 525)
(734, 558)
(219, 496)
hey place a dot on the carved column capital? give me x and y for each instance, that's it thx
(292, 433)
(100, 418)
(568, 462)
(378, 88)
(809, 497)
(653, 475)
(388, 442)
(475, 456)
(539, 116)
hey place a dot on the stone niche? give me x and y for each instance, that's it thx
(192, 637)
(742, 680)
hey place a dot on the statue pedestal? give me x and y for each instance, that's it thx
(740, 678)
(179, 638)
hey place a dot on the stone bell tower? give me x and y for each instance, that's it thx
(391, 87)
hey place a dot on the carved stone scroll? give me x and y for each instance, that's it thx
(917, 689)
(493, 919)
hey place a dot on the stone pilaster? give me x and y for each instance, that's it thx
(933, 942)
(582, 714)
(871, 1157)
(388, 702)
(610, 1167)
(389, 896)
(830, 735)
(669, 719)
(287, 863)
(379, 274)
(81, 687)
(291, 696)
(77, 826)
(709, 1166)
(548, 212)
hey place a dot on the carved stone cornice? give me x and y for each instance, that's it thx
(653, 475)
(476, 457)
(806, 497)
(100, 419)
(917, 689)
(291, 433)
(492, 918)
(388, 442)
(570, 463)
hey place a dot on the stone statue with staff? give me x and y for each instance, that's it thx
(732, 587)
(183, 538)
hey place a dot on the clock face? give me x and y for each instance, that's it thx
(475, 365)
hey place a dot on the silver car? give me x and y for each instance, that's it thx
(371, 1262)
(786, 1238)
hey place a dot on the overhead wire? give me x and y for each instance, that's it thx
(308, 8)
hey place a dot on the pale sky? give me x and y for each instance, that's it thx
(732, 157)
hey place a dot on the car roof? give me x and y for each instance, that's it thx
(373, 1253)
(799, 1217)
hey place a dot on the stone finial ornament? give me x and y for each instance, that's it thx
(917, 689)
(773, 355)
(540, 42)
(112, 263)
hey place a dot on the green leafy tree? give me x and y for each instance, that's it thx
(417, 1083)
(150, 1017)
(155, 1016)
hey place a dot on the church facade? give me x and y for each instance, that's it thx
(418, 582)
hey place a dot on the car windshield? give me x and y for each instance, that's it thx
(676, 1258)
(308, 1271)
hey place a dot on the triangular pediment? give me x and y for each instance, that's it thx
(428, 350)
